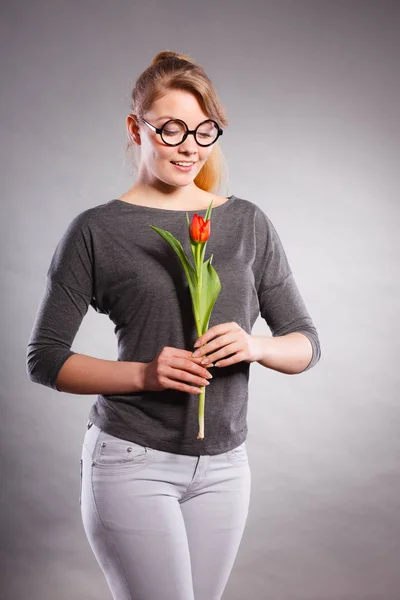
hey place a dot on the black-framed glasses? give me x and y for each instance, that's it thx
(175, 132)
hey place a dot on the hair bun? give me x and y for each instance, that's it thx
(166, 54)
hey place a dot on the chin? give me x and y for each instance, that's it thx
(180, 181)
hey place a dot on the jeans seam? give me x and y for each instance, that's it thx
(108, 540)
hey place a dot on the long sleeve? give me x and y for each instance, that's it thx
(66, 298)
(281, 304)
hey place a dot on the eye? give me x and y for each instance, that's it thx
(173, 129)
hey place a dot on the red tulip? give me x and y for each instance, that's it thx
(199, 229)
(202, 278)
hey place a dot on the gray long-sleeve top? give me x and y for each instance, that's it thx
(111, 259)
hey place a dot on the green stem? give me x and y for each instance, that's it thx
(202, 395)
(196, 303)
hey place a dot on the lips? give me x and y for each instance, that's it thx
(183, 168)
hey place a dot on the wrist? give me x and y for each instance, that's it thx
(259, 348)
(289, 353)
(142, 376)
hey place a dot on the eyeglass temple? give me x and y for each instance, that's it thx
(148, 124)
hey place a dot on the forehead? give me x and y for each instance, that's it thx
(177, 104)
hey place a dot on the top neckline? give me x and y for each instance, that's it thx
(172, 210)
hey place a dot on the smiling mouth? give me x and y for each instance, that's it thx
(182, 163)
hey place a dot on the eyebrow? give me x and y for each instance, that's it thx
(170, 117)
(165, 117)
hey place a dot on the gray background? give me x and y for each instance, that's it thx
(312, 94)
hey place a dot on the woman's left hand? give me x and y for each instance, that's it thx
(227, 339)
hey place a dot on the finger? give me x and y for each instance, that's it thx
(225, 362)
(197, 360)
(214, 331)
(190, 365)
(181, 384)
(190, 377)
(215, 345)
(184, 382)
(186, 354)
(222, 353)
(183, 387)
(183, 353)
(195, 367)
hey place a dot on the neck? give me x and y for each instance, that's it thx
(165, 195)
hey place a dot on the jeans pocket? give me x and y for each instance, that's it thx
(80, 482)
(111, 451)
(238, 456)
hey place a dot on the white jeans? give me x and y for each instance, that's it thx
(162, 526)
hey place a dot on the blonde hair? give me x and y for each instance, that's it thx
(172, 71)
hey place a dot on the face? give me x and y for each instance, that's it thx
(157, 158)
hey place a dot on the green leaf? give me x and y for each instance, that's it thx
(210, 288)
(177, 246)
(208, 213)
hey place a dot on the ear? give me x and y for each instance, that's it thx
(132, 127)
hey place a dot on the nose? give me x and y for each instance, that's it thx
(189, 146)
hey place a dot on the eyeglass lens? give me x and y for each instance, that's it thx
(173, 132)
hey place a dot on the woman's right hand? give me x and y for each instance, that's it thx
(176, 369)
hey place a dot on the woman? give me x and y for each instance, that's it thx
(164, 512)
